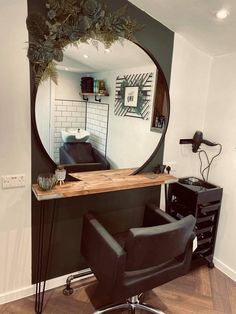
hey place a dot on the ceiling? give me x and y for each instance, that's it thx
(120, 56)
(195, 20)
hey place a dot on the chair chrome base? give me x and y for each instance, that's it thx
(131, 304)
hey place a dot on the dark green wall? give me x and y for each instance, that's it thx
(118, 208)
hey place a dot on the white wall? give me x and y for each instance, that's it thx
(43, 113)
(188, 100)
(203, 97)
(220, 127)
(127, 136)
(54, 115)
(68, 86)
(15, 154)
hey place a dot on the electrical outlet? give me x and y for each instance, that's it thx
(172, 165)
(13, 181)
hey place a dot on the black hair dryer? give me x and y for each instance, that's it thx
(196, 141)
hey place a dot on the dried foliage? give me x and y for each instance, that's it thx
(70, 22)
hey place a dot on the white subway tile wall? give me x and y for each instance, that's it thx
(97, 118)
(67, 114)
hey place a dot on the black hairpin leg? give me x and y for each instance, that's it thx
(43, 257)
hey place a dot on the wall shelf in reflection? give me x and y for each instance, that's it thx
(97, 96)
(157, 130)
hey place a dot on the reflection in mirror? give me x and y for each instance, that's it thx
(109, 107)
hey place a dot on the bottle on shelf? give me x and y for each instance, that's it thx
(87, 84)
(102, 88)
(96, 86)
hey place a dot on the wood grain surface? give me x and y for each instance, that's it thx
(202, 291)
(94, 182)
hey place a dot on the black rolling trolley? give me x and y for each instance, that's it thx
(203, 200)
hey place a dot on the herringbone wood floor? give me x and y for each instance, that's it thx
(202, 291)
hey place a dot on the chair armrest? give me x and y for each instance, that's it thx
(154, 216)
(104, 255)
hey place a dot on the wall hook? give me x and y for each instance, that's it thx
(85, 98)
(96, 99)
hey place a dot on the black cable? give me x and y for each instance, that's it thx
(207, 158)
(210, 163)
(207, 162)
(199, 156)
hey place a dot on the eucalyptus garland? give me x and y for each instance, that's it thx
(72, 22)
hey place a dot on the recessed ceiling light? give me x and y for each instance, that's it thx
(67, 69)
(86, 56)
(222, 14)
(107, 50)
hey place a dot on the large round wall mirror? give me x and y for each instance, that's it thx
(110, 106)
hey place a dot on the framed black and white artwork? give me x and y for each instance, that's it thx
(133, 95)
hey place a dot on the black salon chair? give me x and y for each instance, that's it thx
(82, 156)
(145, 258)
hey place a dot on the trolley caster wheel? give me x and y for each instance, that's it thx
(211, 265)
(68, 291)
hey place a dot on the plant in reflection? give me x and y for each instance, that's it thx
(70, 22)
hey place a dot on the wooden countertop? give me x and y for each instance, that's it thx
(94, 182)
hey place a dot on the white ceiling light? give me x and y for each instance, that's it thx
(107, 50)
(86, 56)
(222, 14)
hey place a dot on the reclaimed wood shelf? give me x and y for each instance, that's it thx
(157, 130)
(94, 182)
(93, 94)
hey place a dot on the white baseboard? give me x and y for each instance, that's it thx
(30, 290)
(225, 269)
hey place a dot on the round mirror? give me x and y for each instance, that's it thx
(110, 106)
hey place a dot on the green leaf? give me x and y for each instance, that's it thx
(63, 8)
(68, 22)
(37, 26)
(51, 14)
(50, 72)
(84, 24)
(121, 11)
(40, 53)
(58, 55)
(91, 7)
